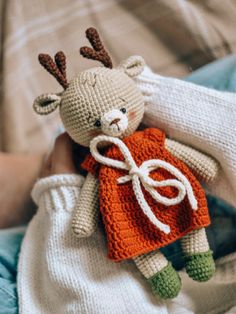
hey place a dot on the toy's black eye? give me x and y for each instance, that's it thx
(123, 110)
(97, 123)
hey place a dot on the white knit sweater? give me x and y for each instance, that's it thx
(59, 273)
(198, 116)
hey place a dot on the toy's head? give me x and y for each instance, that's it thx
(101, 100)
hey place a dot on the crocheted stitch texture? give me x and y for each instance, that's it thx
(201, 266)
(93, 93)
(166, 283)
(129, 232)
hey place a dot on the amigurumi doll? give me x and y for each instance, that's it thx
(141, 180)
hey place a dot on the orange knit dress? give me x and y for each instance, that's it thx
(129, 232)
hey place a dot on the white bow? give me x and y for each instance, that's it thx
(140, 175)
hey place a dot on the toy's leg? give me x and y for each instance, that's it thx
(199, 262)
(164, 280)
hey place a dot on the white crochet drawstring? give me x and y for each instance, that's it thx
(140, 175)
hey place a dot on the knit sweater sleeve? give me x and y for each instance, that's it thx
(60, 273)
(197, 116)
(57, 192)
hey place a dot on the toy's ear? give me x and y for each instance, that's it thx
(133, 66)
(46, 103)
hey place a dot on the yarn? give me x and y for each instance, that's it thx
(201, 266)
(140, 175)
(57, 68)
(166, 283)
(98, 52)
(151, 263)
(148, 197)
(129, 231)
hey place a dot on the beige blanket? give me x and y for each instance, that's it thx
(173, 36)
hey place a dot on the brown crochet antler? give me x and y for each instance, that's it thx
(98, 52)
(57, 68)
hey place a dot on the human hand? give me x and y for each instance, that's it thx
(60, 160)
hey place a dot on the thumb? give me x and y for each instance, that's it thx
(62, 156)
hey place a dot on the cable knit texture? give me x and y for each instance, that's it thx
(129, 232)
(198, 116)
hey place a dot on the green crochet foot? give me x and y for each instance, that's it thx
(200, 266)
(166, 283)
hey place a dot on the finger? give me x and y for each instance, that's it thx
(62, 156)
(63, 149)
(47, 165)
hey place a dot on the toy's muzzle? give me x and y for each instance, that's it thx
(114, 122)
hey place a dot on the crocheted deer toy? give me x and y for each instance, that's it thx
(147, 194)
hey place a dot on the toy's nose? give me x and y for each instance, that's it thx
(115, 121)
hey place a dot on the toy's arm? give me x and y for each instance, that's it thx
(205, 167)
(86, 216)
